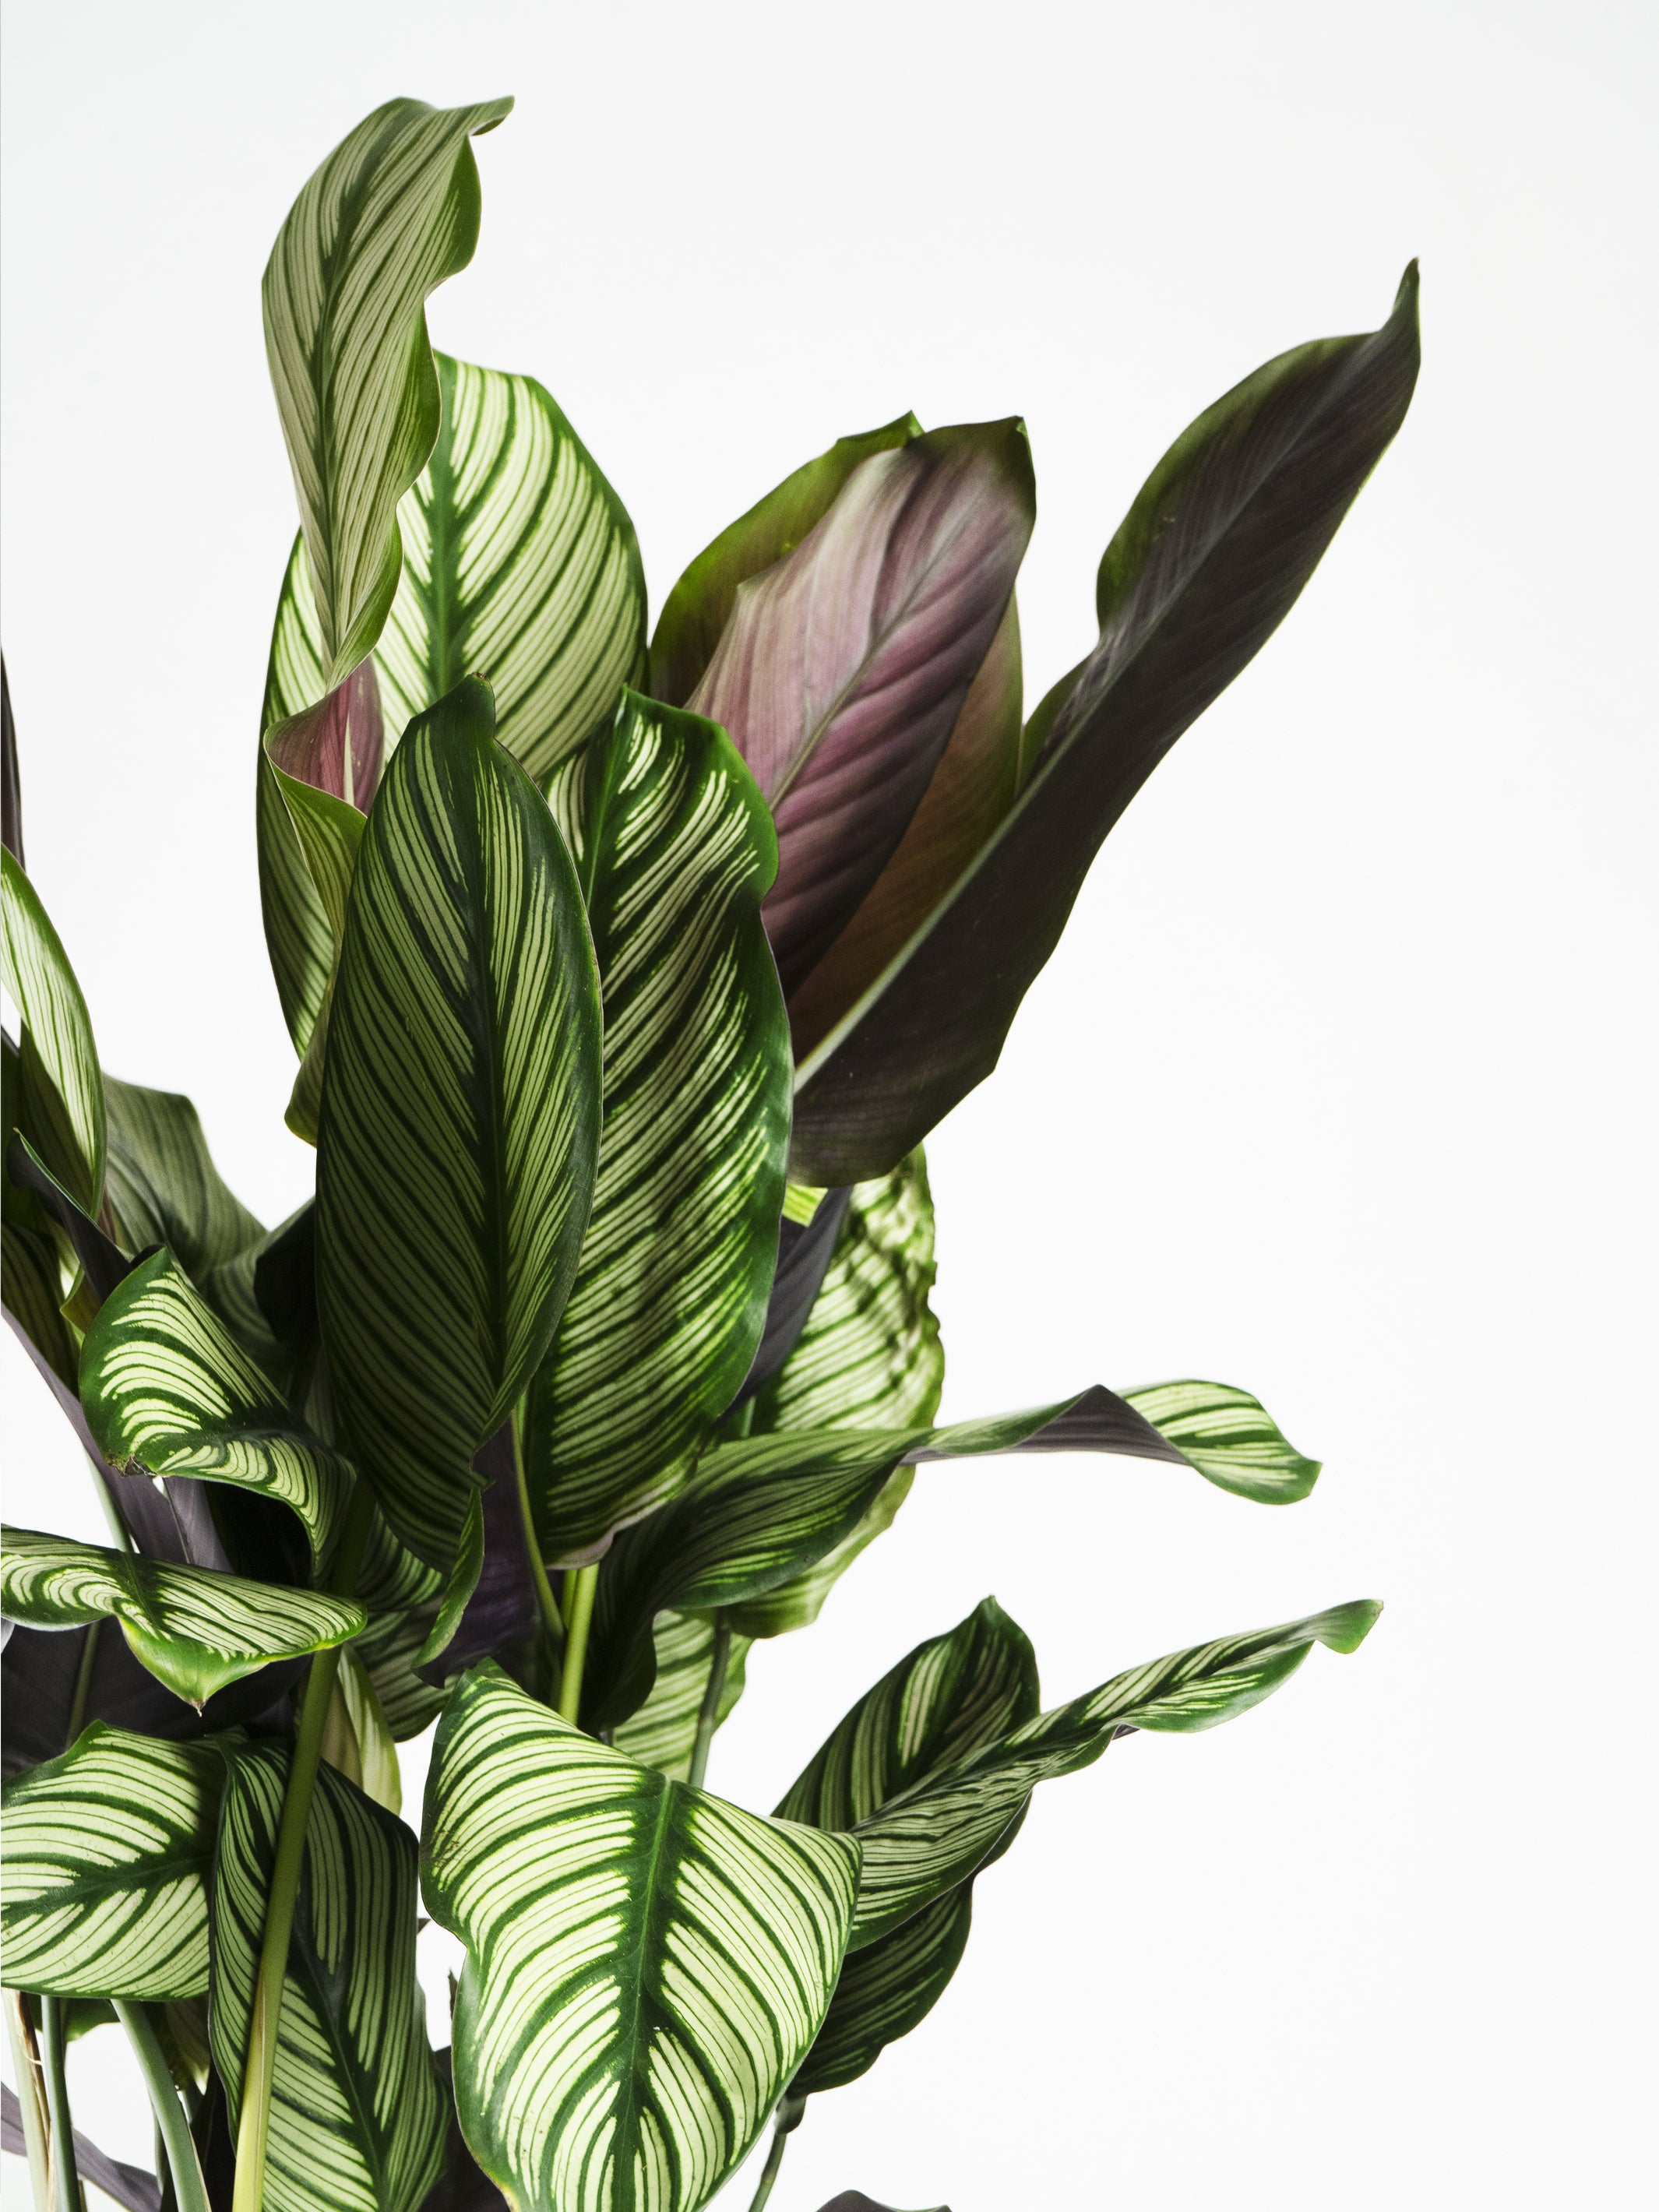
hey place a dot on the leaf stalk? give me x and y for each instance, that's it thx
(708, 1718)
(189, 2187)
(579, 1587)
(66, 2196)
(31, 2096)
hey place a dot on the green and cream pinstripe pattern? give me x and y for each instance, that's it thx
(1230, 1437)
(645, 1965)
(162, 1185)
(103, 1873)
(357, 2118)
(460, 1115)
(167, 1387)
(195, 1629)
(886, 1990)
(663, 1731)
(935, 1833)
(520, 565)
(677, 852)
(60, 1091)
(390, 213)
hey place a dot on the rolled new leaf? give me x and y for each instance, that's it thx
(697, 610)
(676, 851)
(933, 1835)
(645, 1965)
(390, 213)
(104, 1859)
(843, 669)
(60, 1093)
(460, 1116)
(1210, 559)
(356, 2113)
(195, 1630)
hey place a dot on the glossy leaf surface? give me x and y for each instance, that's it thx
(1212, 555)
(195, 1630)
(645, 1965)
(663, 1731)
(460, 1116)
(356, 2115)
(700, 605)
(106, 1853)
(60, 1096)
(931, 1837)
(390, 213)
(677, 851)
(1230, 1437)
(842, 671)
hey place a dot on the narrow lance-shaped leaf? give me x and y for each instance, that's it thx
(677, 851)
(697, 610)
(390, 213)
(843, 669)
(645, 1965)
(104, 1856)
(931, 1836)
(954, 1695)
(460, 1116)
(11, 788)
(1226, 532)
(60, 1099)
(356, 2115)
(195, 1630)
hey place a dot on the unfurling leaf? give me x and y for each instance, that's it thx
(356, 2116)
(1212, 555)
(843, 670)
(675, 850)
(645, 1965)
(195, 1630)
(106, 1853)
(460, 1116)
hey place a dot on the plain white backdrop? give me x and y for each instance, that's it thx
(1340, 1086)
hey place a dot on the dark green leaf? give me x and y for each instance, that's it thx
(163, 1187)
(663, 1732)
(60, 1094)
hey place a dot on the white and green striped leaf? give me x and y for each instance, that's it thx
(1230, 1437)
(104, 1859)
(645, 1965)
(520, 565)
(388, 1649)
(60, 1093)
(356, 2113)
(196, 1630)
(390, 213)
(167, 1389)
(664, 1732)
(460, 1116)
(954, 1695)
(675, 852)
(934, 1834)
(869, 1356)
(162, 1185)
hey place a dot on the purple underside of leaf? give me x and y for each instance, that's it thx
(502, 1608)
(339, 744)
(842, 671)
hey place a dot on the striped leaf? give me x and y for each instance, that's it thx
(356, 2113)
(697, 610)
(953, 1696)
(195, 1630)
(520, 565)
(645, 1965)
(297, 935)
(162, 1185)
(60, 1093)
(934, 1834)
(390, 213)
(357, 1738)
(1230, 1437)
(104, 1859)
(1209, 560)
(675, 852)
(843, 670)
(763, 1510)
(460, 1116)
(663, 1732)
(387, 1650)
(167, 1389)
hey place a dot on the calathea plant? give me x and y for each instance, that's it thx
(624, 979)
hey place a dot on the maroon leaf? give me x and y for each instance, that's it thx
(843, 669)
(338, 746)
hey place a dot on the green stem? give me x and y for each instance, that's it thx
(709, 1718)
(26, 2065)
(769, 2171)
(544, 1597)
(253, 2127)
(579, 1586)
(54, 2035)
(171, 2125)
(83, 1674)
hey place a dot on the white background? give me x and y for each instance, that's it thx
(1340, 1086)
